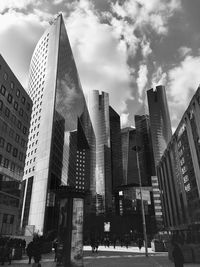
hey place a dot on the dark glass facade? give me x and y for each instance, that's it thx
(15, 113)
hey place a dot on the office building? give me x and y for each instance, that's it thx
(98, 106)
(116, 150)
(130, 172)
(15, 114)
(59, 109)
(159, 120)
(179, 173)
(161, 133)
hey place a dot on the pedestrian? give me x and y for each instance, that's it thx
(177, 256)
(92, 241)
(140, 243)
(6, 254)
(29, 251)
(96, 245)
(55, 246)
(37, 248)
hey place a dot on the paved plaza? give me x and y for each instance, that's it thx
(110, 257)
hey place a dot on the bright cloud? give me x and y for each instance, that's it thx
(15, 29)
(183, 82)
(142, 79)
(16, 4)
(100, 56)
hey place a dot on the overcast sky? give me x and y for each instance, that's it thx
(123, 47)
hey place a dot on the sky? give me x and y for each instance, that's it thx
(123, 47)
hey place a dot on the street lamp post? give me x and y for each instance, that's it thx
(137, 149)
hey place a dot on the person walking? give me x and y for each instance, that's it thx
(140, 243)
(29, 251)
(177, 256)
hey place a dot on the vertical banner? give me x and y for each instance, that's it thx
(77, 233)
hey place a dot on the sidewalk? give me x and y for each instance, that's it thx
(120, 256)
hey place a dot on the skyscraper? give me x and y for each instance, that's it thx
(147, 166)
(98, 105)
(159, 120)
(161, 134)
(15, 115)
(59, 109)
(116, 149)
(130, 172)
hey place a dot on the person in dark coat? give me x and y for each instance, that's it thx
(6, 254)
(140, 243)
(29, 251)
(178, 256)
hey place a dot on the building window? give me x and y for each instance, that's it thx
(18, 93)
(24, 130)
(4, 127)
(1, 104)
(2, 141)
(23, 100)
(8, 147)
(6, 163)
(15, 152)
(15, 105)
(17, 138)
(12, 85)
(9, 98)
(19, 125)
(3, 90)
(7, 112)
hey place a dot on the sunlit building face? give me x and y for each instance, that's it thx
(59, 109)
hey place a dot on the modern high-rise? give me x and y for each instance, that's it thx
(130, 172)
(146, 160)
(159, 120)
(98, 106)
(60, 134)
(15, 115)
(161, 133)
(116, 150)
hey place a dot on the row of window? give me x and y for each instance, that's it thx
(17, 138)
(10, 149)
(13, 120)
(6, 163)
(11, 100)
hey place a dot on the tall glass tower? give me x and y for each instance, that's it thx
(98, 105)
(159, 120)
(59, 109)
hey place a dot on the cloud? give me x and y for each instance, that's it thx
(124, 119)
(23, 31)
(183, 82)
(16, 4)
(100, 56)
(142, 79)
(159, 77)
(184, 51)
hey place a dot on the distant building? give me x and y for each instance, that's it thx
(147, 165)
(60, 132)
(161, 133)
(15, 115)
(179, 173)
(130, 172)
(98, 106)
(159, 120)
(116, 149)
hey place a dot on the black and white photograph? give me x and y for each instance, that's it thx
(100, 133)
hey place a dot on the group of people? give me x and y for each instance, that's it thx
(34, 250)
(8, 246)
